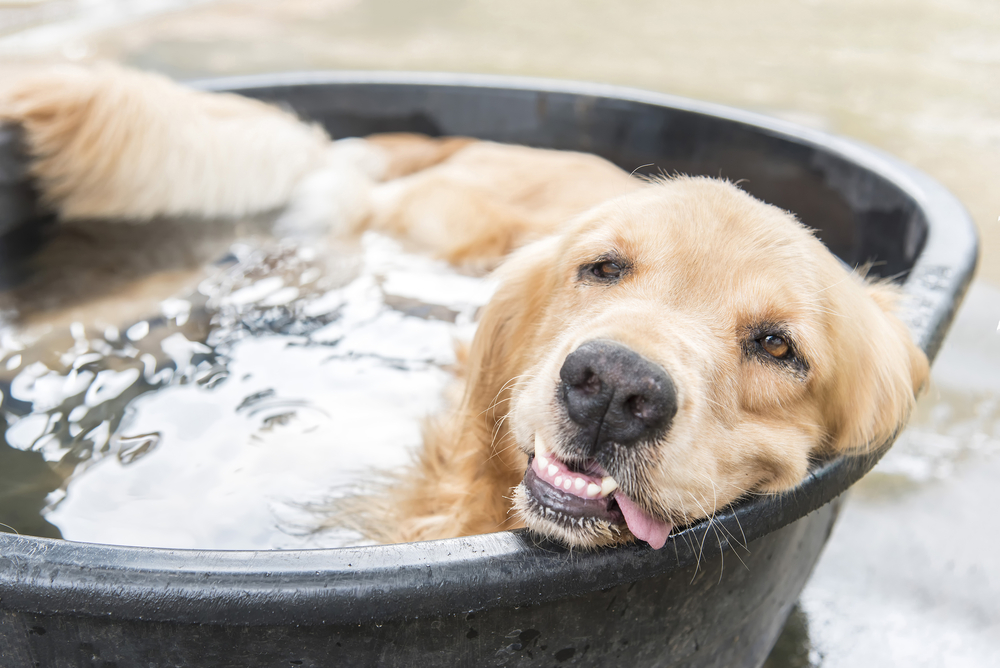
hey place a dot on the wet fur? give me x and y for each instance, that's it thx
(708, 267)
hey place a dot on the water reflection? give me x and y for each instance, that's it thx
(793, 649)
(26, 480)
(214, 419)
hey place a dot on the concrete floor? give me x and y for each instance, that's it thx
(910, 577)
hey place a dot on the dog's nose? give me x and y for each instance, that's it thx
(616, 395)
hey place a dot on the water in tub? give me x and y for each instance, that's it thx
(211, 406)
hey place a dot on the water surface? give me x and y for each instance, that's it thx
(282, 379)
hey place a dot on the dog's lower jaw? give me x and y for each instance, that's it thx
(585, 533)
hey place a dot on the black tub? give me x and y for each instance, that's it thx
(502, 599)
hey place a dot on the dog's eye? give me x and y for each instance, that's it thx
(770, 343)
(607, 270)
(775, 346)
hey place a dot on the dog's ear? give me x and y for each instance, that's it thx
(888, 297)
(879, 372)
(510, 325)
(466, 467)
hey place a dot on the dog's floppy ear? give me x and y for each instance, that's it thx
(879, 372)
(509, 326)
(887, 296)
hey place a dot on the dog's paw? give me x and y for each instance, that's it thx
(336, 198)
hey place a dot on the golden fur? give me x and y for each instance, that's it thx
(707, 272)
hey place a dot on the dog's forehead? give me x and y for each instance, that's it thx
(702, 246)
(700, 222)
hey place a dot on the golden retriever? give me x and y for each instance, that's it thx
(655, 350)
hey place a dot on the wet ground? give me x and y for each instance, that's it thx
(911, 575)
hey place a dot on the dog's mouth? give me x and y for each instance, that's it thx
(579, 497)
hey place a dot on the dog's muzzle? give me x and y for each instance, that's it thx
(615, 399)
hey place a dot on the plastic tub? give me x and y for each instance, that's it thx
(504, 599)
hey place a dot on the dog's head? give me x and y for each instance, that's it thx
(680, 347)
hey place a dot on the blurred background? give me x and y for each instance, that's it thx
(911, 575)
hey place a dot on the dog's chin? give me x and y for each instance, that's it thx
(586, 532)
(581, 505)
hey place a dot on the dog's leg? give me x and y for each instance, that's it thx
(338, 195)
(113, 143)
(423, 190)
(473, 202)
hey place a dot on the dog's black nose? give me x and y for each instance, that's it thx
(615, 395)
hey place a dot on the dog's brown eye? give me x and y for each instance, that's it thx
(775, 346)
(607, 270)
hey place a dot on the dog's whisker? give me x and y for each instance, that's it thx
(722, 552)
(830, 287)
(735, 516)
(502, 447)
(701, 546)
(497, 398)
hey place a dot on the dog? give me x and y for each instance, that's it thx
(656, 348)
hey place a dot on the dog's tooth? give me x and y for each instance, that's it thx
(542, 461)
(553, 469)
(567, 483)
(579, 483)
(608, 485)
(558, 481)
(593, 490)
(541, 449)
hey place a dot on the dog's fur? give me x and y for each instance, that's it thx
(701, 275)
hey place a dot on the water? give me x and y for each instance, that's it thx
(283, 379)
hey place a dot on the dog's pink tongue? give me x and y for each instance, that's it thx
(642, 525)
